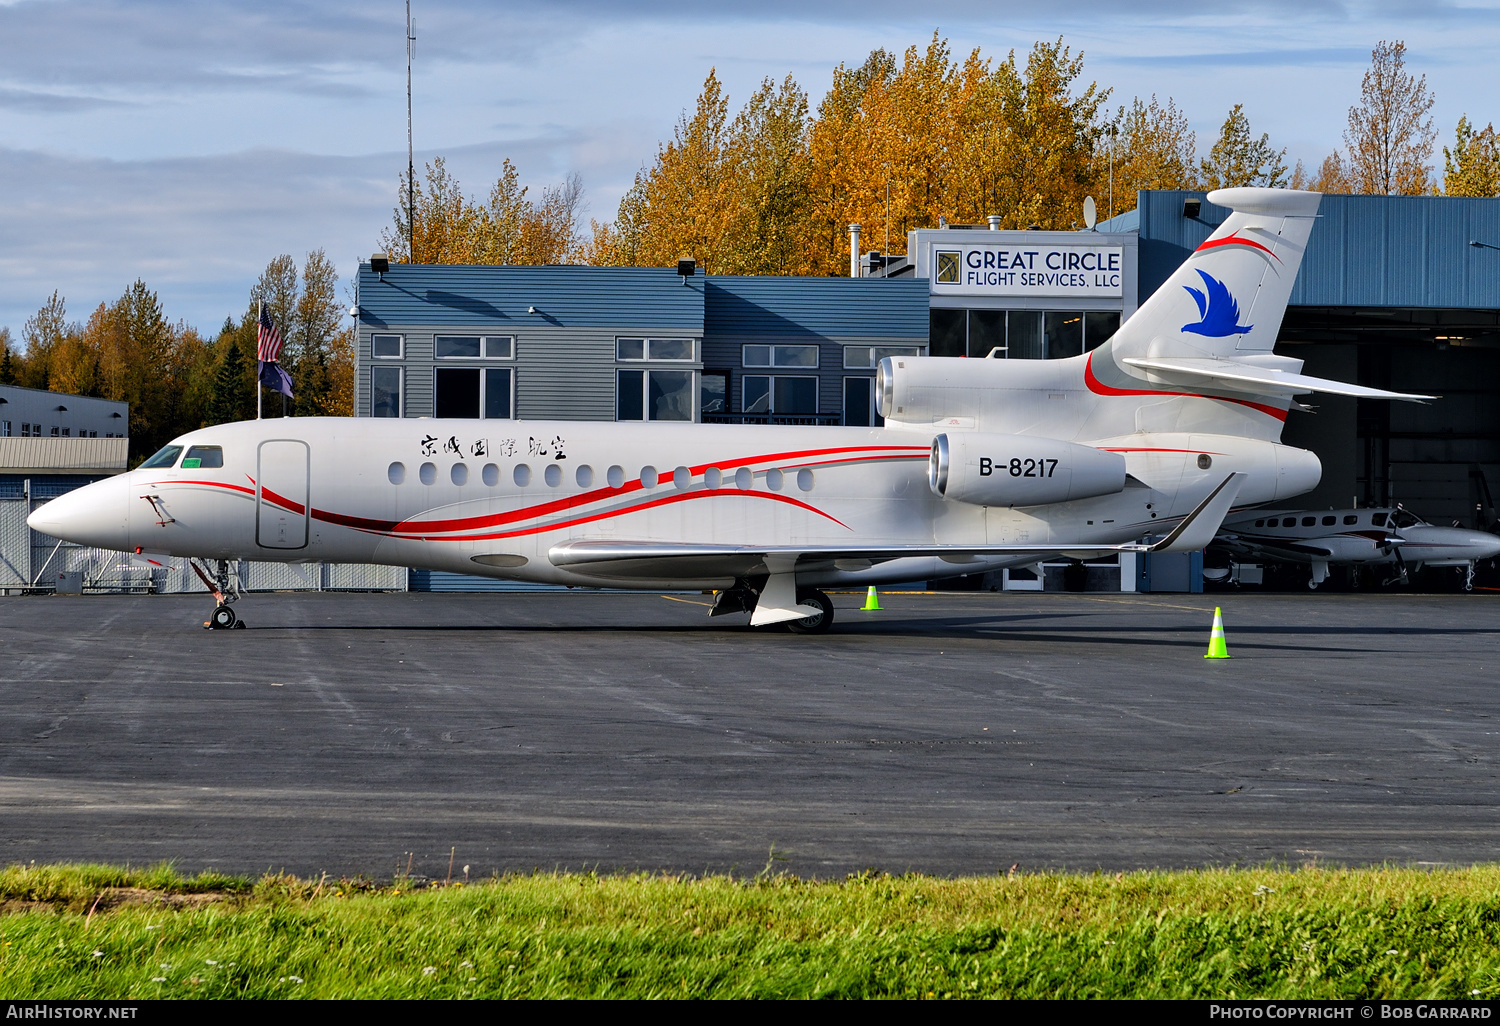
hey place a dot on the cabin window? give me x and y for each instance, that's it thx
(166, 456)
(1262, 523)
(1378, 519)
(207, 457)
(584, 476)
(682, 477)
(385, 347)
(396, 473)
(1351, 519)
(744, 480)
(1309, 521)
(552, 475)
(713, 477)
(385, 391)
(805, 479)
(459, 474)
(1330, 521)
(521, 475)
(428, 473)
(490, 474)
(648, 477)
(775, 479)
(615, 476)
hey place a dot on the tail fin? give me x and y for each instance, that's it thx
(1228, 297)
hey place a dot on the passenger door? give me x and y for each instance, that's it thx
(281, 494)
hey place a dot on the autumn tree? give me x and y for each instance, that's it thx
(768, 170)
(306, 310)
(1238, 158)
(1153, 148)
(1390, 136)
(451, 227)
(1472, 166)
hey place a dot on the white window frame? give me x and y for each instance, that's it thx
(400, 392)
(771, 394)
(484, 341)
(647, 345)
(400, 345)
(872, 355)
(771, 359)
(483, 384)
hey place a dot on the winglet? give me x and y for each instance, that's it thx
(1199, 527)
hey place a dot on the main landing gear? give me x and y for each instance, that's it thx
(226, 589)
(744, 597)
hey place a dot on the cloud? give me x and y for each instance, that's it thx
(53, 103)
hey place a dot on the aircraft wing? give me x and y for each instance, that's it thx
(1232, 374)
(679, 559)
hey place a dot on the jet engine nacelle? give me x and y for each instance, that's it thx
(1020, 470)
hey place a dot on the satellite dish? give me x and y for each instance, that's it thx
(1090, 215)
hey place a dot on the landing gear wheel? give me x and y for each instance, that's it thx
(818, 624)
(223, 618)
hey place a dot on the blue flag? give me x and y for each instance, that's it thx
(274, 378)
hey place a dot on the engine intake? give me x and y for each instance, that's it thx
(1020, 470)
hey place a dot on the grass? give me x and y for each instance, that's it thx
(70, 932)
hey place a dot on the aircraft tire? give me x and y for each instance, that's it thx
(819, 624)
(223, 618)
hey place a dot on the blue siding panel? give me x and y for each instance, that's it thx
(498, 297)
(1365, 251)
(828, 307)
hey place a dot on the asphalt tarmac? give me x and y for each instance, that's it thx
(948, 734)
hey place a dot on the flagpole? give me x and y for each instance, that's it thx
(259, 313)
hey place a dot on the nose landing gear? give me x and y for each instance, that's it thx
(225, 589)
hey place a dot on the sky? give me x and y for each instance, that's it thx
(189, 143)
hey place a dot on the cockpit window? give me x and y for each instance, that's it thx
(1378, 519)
(203, 456)
(1401, 518)
(164, 458)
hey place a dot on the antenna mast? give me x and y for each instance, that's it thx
(411, 222)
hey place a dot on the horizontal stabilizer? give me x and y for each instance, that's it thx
(1232, 374)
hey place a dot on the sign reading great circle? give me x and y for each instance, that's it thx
(1029, 270)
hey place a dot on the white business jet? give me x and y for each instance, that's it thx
(1356, 536)
(1143, 444)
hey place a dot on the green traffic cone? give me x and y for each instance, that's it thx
(872, 601)
(1216, 647)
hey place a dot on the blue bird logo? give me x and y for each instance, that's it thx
(1218, 313)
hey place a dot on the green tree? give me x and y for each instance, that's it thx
(231, 399)
(8, 361)
(1390, 136)
(1472, 166)
(1238, 158)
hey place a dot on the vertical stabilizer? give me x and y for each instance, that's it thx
(1228, 297)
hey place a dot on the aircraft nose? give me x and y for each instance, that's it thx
(1487, 545)
(95, 514)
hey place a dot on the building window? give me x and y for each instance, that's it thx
(677, 349)
(713, 393)
(385, 347)
(473, 347)
(4, 429)
(868, 357)
(779, 356)
(859, 403)
(1019, 334)
(469, 392)
(54, 432)
(654, 395)
(385, 391)
(780, 395)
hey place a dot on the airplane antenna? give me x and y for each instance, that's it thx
(411, 49)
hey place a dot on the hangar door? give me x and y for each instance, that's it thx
(281, 499)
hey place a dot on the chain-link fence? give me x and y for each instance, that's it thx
(31, 561)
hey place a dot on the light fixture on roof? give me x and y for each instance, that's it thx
(685, 267)
(115, 415)
(380, 263)
(62, 409)
(531, 309)
(1192, 207)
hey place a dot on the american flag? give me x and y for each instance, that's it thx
(267, 338)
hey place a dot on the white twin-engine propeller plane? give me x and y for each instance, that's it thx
(1143, 444)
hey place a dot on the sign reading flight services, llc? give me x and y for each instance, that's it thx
(1029, 270)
